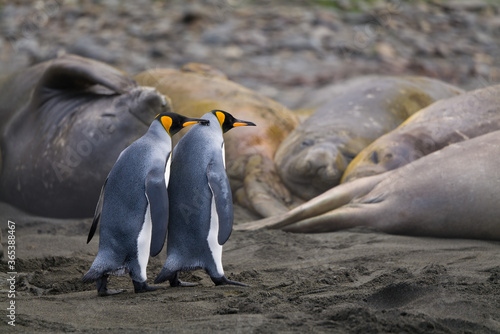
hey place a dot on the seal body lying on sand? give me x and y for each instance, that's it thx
(442, 123)
(63, 124)
(452, 193)
(197, 89)
(314, 156)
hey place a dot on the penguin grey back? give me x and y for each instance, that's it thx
(125, 200)
(190, 195)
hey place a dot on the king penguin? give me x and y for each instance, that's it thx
(201, 204)
(133, 206)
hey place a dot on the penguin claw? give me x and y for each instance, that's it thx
(144, 287)
(102, 287)
(224, 281)
(175, 282)
(109, 292)
(186, 284)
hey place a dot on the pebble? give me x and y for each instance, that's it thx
(279, 48)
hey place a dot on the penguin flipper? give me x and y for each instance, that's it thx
(97, 214)
(221, 190)
(156, 193)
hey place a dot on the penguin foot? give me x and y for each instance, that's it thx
(144, 287)
(224, 281)
(102, 287)
(176, 283)
(173, 278)
(109, 292)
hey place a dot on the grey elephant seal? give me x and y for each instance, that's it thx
(63, 124)
(349, 116)
(442, 123)
(450, 193)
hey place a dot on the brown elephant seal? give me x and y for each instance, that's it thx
(197, 89)
(63, 124)
(314, 156)
(450, 193)
(442, 123)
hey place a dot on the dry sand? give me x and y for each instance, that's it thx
(356, 281)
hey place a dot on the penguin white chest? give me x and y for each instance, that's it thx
(167, 169)
(223, 155)
(213, 234)
(144, 242)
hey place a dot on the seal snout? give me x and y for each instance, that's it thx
(146, 103)
(314, 170)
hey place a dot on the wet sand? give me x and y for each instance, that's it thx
(357, 281)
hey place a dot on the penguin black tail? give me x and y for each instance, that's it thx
(92, 275)
(164, 275)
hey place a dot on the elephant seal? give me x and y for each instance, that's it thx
(442, 123)
(450, 193)
(314, 156)
(197, 89)
(63, 124)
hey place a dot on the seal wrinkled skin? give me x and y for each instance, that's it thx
(348, 117)
(451, 193)
(63, 124)
(443, 123)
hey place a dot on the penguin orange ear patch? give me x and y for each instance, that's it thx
(221, 117)
(166, 122)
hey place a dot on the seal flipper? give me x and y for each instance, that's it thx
(221, 190)
(348, 216)
(326, 202)
(156, 193)
(97, 214)
(71, 72)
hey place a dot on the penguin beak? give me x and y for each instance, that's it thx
(194, 121)
(239, 122)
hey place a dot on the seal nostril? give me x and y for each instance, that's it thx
(307, 143)
(308, 166)
(374, 157)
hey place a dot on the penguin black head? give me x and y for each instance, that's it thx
(173, 122)
(227, 121)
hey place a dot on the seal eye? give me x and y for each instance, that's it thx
(374, 157)
(307, 143)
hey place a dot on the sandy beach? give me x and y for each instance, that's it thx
(356, 281)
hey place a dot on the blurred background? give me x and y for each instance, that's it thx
(282, 49)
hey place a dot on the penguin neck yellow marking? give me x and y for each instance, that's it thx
(221, 117)
(166, 122)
